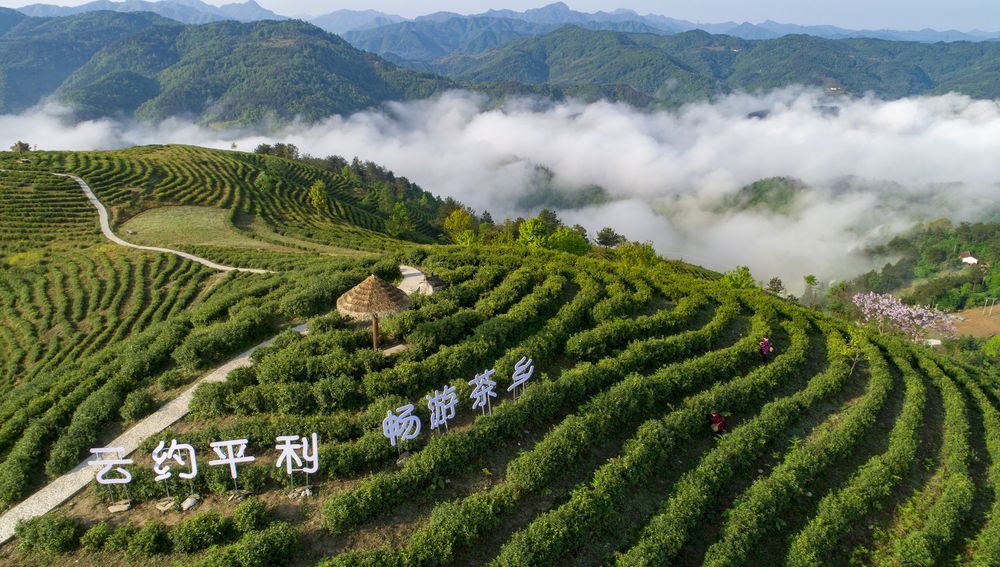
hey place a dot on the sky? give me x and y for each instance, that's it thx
(963, 15)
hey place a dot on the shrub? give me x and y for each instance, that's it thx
(120, 538)
(333, 392)
(95, 537)
(200, 531)
(49, 533)
(250, 515)
(275, 545)
(211, 399)
(328, 322)
(137, 405)
(171, 379)
(149, 540)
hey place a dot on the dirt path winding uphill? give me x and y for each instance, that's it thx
(102, 212)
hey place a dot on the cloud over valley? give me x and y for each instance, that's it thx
(868, 168)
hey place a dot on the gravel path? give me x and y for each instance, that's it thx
(413, 280)
(102, 212)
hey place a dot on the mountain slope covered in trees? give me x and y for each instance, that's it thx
(695, 64)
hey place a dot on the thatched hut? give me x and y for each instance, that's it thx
(371, 299)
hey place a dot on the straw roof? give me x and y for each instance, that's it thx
(372, 296)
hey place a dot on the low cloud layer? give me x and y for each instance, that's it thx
(871, 167)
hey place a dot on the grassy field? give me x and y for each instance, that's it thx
(180, 226)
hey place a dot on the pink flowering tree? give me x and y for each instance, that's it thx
(887, 313)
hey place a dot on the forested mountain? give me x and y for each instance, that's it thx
(219, 72)
(408, 40)
(340, 21)
(144, 66)
(37, 54)
(432, 38)
(692, 65)
(185, 11)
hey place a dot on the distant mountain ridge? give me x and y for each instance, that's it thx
(695, 65)
(447, 33)
(184, 11)
(558, 13)
(141, 65)
(555, 14)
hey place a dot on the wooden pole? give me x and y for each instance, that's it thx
(375, 332)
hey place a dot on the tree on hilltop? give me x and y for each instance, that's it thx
(550, 220)
(532, 233)
(637, 253)
(775, 286)
(810, 294)
(739, 278)
(20, 147)
(460, 226)
(607, 237)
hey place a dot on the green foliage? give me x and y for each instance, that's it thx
(637, 253)
(151, 539)
(317, 195)
(607, 237)
(200, 531)
(250, 515)
(566, 240)
(533, 233)
(50, 533)
(94, 538)
(137, 405)
(739, 278)
(459, 225)
(399, 221)
(275, 545)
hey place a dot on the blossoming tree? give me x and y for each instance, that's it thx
(886, 312)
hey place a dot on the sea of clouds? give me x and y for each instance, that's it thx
(872, 168)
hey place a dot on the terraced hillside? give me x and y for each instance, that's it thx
(847, 447)
(87, 326)
(273, 190)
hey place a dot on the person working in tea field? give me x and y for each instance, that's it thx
(717, 422)
(765, 349)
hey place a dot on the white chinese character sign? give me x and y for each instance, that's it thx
(106, 465)
(292, 453)
(176, 453)
(116, 460)
(230, 456)
(442, 406)
(401, 425)
(301, 453)
(483, 391)
(522, 371)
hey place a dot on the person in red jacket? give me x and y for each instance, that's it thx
(765, 349)
(717, 422)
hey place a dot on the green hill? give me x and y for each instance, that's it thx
(143, 65)
(38, 54)
(232, 72)
(847, 447)
(694, 65)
